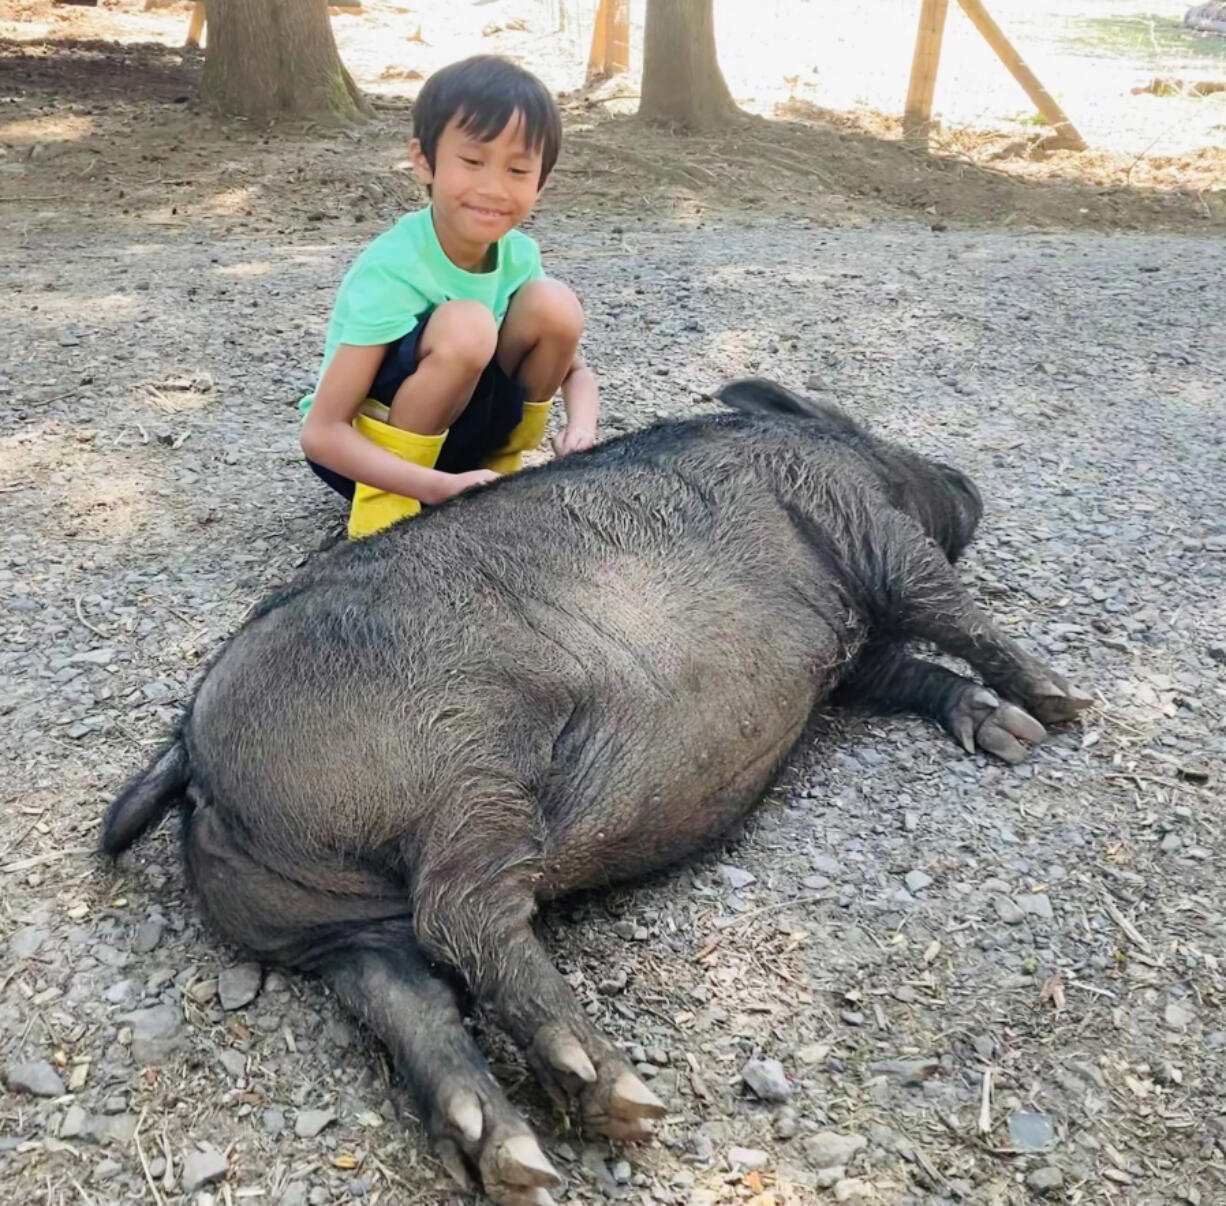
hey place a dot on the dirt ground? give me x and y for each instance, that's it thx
(983, 984)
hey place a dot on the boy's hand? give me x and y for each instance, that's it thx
(574, 439)
(457, 483)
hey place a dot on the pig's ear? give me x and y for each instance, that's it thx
(757, 396)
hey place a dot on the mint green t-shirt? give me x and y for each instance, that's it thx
(405, 272)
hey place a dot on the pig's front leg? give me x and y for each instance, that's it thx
(887, 679)
(920, 597)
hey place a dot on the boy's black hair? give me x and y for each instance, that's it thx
(485, 92)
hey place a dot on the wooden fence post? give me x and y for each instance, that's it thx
(1066, 132)
(610, 51)
(918, 116)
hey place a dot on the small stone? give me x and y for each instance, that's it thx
(916, 881)
(748, 1158)
(622, 1172)
(118, 1128)
(318, 1196)
(359, 1187)
(309, 1123)
(766, 1079)
(1007, 911)
(1031, 1130)
(787, 1123)
(123, 993)
(273, 1122)
(815, 883)
(104, 1170)
(910, 821)
(1177, 1016)
(237, 986)
(203, 991)
(156, 1022)
(234, 1062)
(853, 1189)
(827, 1149)
(148, 935)
(826, 865)
(1036, 904)
(1217, 653)
(985, 1045)
(813, 1053)
(294, 1194)
(34, 1076)
(853, 1017)
(25, 942)
(1046, 1179)
(908, 1071)
(827, 1178)
(202, 1168)
(1171, 842)
(77, 1124)
(157, 1167)
(736, 877)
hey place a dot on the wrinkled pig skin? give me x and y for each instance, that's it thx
(572, 677)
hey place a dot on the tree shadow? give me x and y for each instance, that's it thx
(814, 162)
(93, 69)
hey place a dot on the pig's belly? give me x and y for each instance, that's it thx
(647, 774)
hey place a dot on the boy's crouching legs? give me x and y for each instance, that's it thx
(539, 337)
(459, 341)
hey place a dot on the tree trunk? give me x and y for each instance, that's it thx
(270, 59)
(682, 82)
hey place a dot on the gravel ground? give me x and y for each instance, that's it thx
(900, 926)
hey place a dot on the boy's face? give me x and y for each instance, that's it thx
(480, 190)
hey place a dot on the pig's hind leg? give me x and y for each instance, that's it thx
(474, 896)
(888, 679)
(473, 1126)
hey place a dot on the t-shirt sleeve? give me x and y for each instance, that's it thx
(535, 268)
(376, 307)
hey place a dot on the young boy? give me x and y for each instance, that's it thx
(447, 341)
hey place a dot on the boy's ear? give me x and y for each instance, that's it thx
(421, 165)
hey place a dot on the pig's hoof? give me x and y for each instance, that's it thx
(981, 720)
(474, 1145)
(614, 1101)
(1053, 701)
(621, 1106)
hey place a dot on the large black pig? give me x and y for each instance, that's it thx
(575, 676)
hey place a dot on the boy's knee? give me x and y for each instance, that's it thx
(551, 309)
(463, 332)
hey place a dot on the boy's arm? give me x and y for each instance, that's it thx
(582, 401)
(328, 438)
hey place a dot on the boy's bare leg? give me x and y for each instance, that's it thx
(460, 339)
(539, 336)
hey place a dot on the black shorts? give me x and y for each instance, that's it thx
(484, 426)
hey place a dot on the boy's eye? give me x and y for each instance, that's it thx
(519, 171)
(471, 162)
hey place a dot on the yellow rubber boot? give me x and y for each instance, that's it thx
(525, 436)
(373, 510)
